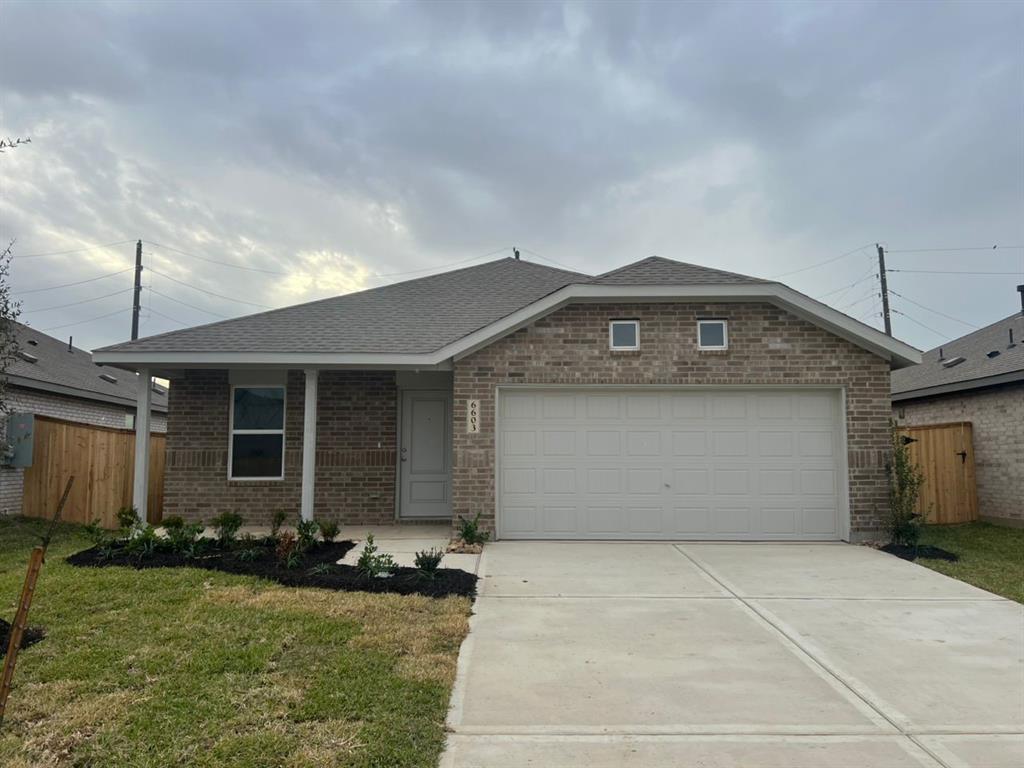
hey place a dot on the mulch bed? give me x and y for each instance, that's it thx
(927, 552)
(404, 581)
(30, 636)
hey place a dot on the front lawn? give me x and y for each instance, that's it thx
(991, 556)
(184, 666)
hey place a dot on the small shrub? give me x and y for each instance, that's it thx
(469, 530)
(328, 530)
(226, 525)
(306, 533)
(173, 523)
(96, 534)
(127, 517)
(287, 552)
(320, 569)
(428, 561)
(905, 481)
(249, 554)
(184, 539)
(142, 541)
(373, 564)
(276, 522)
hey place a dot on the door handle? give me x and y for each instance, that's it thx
(404, 452)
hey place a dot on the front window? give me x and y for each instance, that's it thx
(712, 334)
(257, 433)
(624, 334)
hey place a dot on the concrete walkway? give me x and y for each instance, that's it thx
(623, 655)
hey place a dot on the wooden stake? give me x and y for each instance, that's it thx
(35, 565)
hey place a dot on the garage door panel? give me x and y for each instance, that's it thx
(699, 464)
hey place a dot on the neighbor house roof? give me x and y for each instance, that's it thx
(983, 358)
(431, 321)
(51, 365)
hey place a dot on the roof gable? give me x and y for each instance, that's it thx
(656, 270)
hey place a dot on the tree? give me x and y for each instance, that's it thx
(9, 312)
(905, 481)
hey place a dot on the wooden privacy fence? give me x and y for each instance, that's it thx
(101, 459)
(945, 453)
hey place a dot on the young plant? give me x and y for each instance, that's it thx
(287, 551)
(905, 481)
(249, 554)
(306, 532)
(320, 569)
(276, 522)
(328, 530)
(469, 530)
(183, 539)
(226, 525)
(97, 535)
(428, 560)
(127, 517)
(173, 523)
(373, 564)
(142, 541)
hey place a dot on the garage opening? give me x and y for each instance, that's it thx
(682, 464)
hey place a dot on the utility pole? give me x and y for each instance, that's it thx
(885, 289)
(138, 290)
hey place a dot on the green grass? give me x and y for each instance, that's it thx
(991, 556)
(191, 667)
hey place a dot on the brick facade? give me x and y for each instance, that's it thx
(355, 458)
(766, 346)
(21, 400)
(997, 418)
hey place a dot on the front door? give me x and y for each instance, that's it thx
(425, 454)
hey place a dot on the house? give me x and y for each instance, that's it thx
(977, 378)
(659, 400)
(50, 377)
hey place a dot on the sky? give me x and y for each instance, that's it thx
(269, 154)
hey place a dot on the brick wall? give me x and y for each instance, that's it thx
(59, 407)
(997, 418)
(355, 457)
(766, 346)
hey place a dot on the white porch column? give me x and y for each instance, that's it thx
(143, 406)
(309, 445)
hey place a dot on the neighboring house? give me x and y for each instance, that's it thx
(52, 378)
(659, 401)
(977, 378)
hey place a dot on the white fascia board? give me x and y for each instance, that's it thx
(899, 354)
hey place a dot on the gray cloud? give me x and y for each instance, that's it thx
(336, 142)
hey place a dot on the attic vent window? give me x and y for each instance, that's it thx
(993, 353)
(624, 334)
(108, 377)
(28, 357)
(952, 361)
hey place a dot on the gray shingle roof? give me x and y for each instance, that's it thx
(977, 366)
(656, 270)
(411, 317)
(71, 372)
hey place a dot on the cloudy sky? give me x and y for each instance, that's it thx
(342, 146)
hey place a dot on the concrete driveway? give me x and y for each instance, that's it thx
(622, 655)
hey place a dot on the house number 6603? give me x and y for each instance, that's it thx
(473, 417)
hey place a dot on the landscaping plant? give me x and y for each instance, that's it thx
(905, 481)
(226, 525)
(276, 522)
(320, 569)
(287, 551)
(142, 541)
(127, 517)
(427, 561)
(183, 538)
(306, 533)
(469, 530)
(372, 564)
(329, 530)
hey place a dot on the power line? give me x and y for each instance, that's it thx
(558, 263)
(950, 272)
(83, 301)
(823, 263)
(872, 293)
(444, 266)
(79, 282)
(935, 311)
(90, 320)
(214, 261)
(936, 250)
(74, 250)
(185, 303)
(211, 293)
(918, 322)
(166, 317)
(870, 274)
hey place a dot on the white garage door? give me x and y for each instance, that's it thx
(677, 464)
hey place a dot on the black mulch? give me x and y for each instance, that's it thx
(404, 581)
(30, 636)
(925, 551)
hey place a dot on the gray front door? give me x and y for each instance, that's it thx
(425, 454)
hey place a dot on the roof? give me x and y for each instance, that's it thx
(68, 370)
(656, 270)
(432, 321)
(415, 316)
(988, 359)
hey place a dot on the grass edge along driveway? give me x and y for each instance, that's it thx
(991, 556)
(189, 667)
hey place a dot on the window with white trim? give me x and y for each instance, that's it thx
(624, 334)
(712, 334)
(256, 448)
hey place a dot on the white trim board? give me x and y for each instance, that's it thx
(897, 352)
